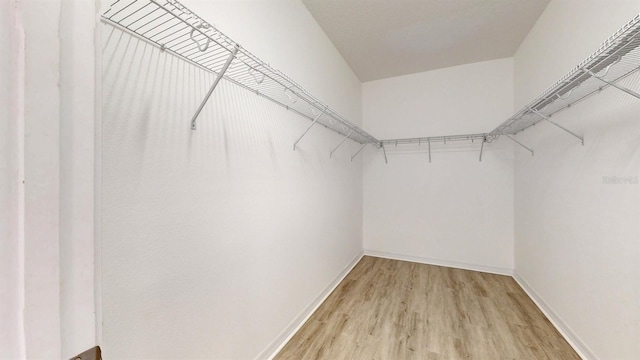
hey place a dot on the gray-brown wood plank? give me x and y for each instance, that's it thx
(389, 309)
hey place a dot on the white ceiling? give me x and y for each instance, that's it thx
(385, 38)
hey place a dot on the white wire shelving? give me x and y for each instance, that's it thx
(481, 138)
(617, 58)
(174, 28)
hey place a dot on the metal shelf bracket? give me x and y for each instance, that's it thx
(545, 117)
(170, 26)
(358, 152)
(309, 128)
(619, 87)
(341, 142)
(215, 83)
(617, 58)
(384, 152)
(180, 32)
(519, 143)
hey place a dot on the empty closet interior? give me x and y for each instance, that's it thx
(246, 170)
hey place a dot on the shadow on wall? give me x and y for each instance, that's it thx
(152, 96)
(227, 209)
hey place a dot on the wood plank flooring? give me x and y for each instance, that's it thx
(389, 309)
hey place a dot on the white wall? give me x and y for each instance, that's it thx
(11, 326)
(576, 237)
(214, 242)
(46, 277)
(78, 20)
(42, 179)
(455, 210)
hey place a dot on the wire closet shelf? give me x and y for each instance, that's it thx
(617, 58)
(174, 28)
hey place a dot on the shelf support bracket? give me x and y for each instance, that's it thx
(519, 143)
(213, 87)
(622, 88)
(545, 117)
(429, 144)
(358, 152)
(384, 152)
(484, 140)
(341, 142)
(309, 128)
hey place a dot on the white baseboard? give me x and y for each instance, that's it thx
(445, 263)
(274, 348)
(563, 328)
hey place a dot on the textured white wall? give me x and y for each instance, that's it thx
(214, 241)
(576, 238)
(456, 210)
(77, 131)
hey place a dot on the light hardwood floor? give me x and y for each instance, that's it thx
(389, 309)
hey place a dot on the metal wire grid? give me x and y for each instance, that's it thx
(172, 27)
(438, 139)
(481, 138)
(175, 29)
(617, 58)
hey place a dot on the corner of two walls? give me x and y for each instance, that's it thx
(577, 207)
(565, 221)
(455, 210)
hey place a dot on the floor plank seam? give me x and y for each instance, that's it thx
(392, 309)
(292, 329)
